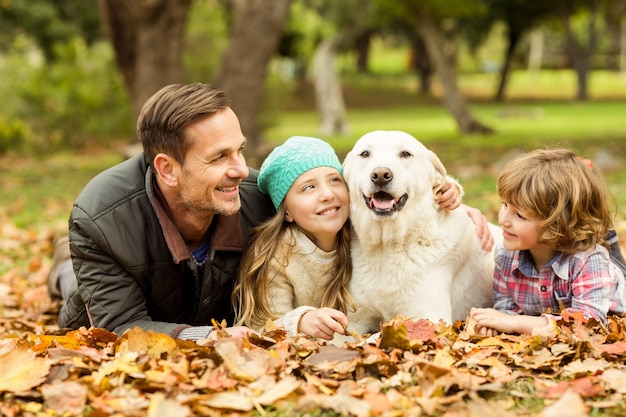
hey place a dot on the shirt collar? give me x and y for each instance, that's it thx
(227, 233)
(523, 262)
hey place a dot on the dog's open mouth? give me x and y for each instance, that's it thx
(383, 203)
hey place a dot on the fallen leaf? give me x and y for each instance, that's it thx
(21, 370)
(65, 397)
(569, 405)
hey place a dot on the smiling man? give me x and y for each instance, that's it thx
(156, 241)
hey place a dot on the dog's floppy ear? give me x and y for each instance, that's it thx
(346, 165)
(440, 171)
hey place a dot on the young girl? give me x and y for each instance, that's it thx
(554, 217)
(296, 267)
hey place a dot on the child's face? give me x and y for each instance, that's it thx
(520, 229)
(318, 202)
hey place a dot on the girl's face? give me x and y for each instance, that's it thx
(318, 202)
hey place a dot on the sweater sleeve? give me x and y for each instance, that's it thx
(291, 319)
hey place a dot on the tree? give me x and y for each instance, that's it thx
(148, 38)
(519, 17)
(426, 19)
(257, 26)
(580, 45)
(49, 22)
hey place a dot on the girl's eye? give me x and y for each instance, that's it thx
(504, 204)
(335, 179)
(521, 216)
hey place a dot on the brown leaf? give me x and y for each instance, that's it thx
(65, 396)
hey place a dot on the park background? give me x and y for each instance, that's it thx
(477, 81)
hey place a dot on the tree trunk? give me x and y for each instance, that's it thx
(328, 94)
(422, 65)
(535, 54)
(452, 97)
(580, 54)
(257, 26)
(514, 36)
(622, 61)
(148, 38)
(363, 44)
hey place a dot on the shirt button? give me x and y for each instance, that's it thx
(543, 288)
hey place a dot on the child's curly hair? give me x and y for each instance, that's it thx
(570, 198)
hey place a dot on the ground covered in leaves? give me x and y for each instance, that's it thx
(414, 368)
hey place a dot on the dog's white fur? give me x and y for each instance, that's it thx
(410, 257)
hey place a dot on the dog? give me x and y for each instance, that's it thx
(410, 257)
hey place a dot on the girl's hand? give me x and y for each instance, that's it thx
(449, 197)
(323, 323)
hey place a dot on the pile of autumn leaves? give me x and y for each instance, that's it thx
(414, 368)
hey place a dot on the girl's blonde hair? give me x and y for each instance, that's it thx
(250, 297)
(556, 186)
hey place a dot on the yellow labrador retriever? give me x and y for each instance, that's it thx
(411, 258)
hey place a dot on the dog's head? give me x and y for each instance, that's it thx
(386, 170)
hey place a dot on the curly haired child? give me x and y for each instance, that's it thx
(555, 217)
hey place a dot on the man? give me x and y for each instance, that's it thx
(156, 241)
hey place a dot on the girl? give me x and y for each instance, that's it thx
(554, 217)
(296, 267)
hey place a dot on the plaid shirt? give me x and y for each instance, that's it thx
(587, 282)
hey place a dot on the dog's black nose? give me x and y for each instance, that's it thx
(381, 176)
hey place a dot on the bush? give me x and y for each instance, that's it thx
(13, 134)
(74, 100)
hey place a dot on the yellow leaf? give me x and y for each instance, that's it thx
(21, 370)
(147, 342)
(443, 358)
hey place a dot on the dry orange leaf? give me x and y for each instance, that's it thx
(147, 342)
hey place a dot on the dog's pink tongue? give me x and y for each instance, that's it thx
(381, 204)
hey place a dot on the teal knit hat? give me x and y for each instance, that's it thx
(293, 158)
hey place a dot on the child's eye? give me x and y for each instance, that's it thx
(521, 216)
(336, 179)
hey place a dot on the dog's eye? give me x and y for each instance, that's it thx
(405, 154)
(365, 154)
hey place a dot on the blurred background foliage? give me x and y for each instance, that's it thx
(524, 74)
(61, 86)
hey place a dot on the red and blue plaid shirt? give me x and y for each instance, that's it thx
(587, 282)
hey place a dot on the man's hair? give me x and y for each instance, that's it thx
(571, 200)
(165, 116)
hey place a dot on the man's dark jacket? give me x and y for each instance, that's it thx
(132, 265)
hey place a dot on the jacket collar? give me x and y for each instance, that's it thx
(226, 231)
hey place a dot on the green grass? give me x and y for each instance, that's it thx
(40, 190)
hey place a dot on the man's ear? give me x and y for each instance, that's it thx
(167, 168)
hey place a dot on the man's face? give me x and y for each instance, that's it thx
(214, 166)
